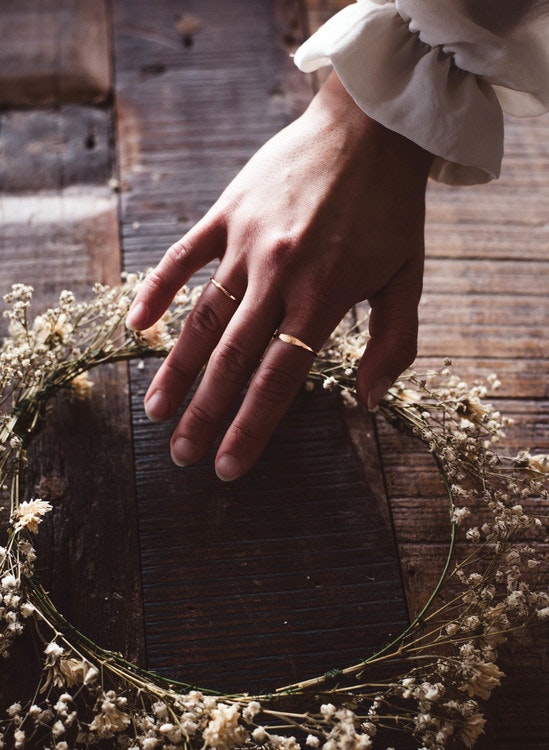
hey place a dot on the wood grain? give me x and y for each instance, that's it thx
(292, 569)
(53, 52)
(60, 230)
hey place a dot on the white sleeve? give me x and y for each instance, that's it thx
(440, 72)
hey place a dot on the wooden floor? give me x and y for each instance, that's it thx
(112, 144)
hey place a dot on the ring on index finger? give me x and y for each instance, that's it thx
(287, 338)
(223, 290)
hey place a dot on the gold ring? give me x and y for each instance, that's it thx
(222, 289)
(294, 341)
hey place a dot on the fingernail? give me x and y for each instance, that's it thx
(158, 406)
(377, 392)
(134, 317)
(184, 451)
(228, 468)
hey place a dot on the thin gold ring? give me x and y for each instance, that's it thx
(222, 289)
(294, 341)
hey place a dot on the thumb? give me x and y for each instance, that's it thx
(392, 346)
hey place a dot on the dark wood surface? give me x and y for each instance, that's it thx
(291, 570)
(317, 556)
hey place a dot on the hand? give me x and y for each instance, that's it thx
(328, 213)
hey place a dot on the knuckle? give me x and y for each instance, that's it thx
(275, 384)
(178, 255)
(175, 370)
(282, 247)
(155, 280)
(203, 320)
(243, 432)
(171, 269)
(230, 361)
(200, 414)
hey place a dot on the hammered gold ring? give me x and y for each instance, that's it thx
(294, 341)
(223, 290)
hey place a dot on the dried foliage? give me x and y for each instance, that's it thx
(439, 670)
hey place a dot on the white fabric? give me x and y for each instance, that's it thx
(440, 72)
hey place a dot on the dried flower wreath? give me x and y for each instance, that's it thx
(442, 664)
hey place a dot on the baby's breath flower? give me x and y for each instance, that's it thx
(497, 595)
(251, 710)
(223, 730)
(158, 336)
(110, 718)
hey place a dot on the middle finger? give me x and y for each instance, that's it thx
(229, 368)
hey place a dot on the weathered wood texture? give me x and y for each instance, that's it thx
(200, 86)
(59, 220)
(485, 305)
(192, 109)
(83, 459)
(55, 148)
(293, 569)
(54, 52)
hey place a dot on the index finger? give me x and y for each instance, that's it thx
(202, 244)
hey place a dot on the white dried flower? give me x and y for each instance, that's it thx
(54, 651)
(312, 741)
(158, 336)
(471, 729)
(29, 514)
(223, 730)
(81, 386)
(484, 678)
(459, 514)
(251, 710)
(260, 735)
(110, 719)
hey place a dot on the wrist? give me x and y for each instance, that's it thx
(334, 105)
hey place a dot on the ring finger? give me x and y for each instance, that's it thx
(272, 389)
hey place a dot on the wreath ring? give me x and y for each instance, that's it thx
(443, 663)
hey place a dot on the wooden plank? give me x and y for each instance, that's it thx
(60, 230)
(485, 306)
(288, 572)
(522, 376)
(191, 114)
(400, 452)
(54, 149)
(506, 219)
(273, 577)
(54, 51)
(517, 711)
(88, 548)
(59, 240)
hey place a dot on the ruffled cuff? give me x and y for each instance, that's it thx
(412, 88)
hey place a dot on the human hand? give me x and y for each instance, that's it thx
(328, 213)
